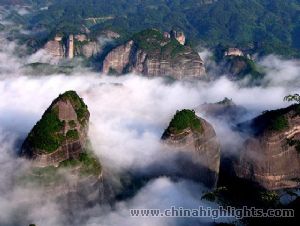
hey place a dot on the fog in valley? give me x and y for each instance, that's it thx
(128, 116)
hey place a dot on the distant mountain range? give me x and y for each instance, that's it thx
(266, 26)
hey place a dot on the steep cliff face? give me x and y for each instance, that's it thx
(271, 157)
(61, 133)
(71, 46)
(63, 162)
(55, 48)
(152, 54)
(87, 49)
(196, 141)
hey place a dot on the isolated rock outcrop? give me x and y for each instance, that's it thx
(61, 133)
(196, 141)
(152, 54)
(63, 162)
(225, 110)
(271, 156)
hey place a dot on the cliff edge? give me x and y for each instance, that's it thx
(60, 134)
(196, 140)
(152, 54)
(271, 156)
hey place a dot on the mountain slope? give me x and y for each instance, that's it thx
(152, 54)
(269, 26)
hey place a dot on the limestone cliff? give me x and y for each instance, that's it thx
(153, 54)
(271, 156)
(196, 140)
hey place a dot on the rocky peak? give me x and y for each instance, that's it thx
(61, 133)
(183, 122)
(196, 139)
(151, 53)
(62, 158)
(225, 110)
(271, 155)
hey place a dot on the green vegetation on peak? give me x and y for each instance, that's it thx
(184, 119)
(292, 98)
(149, 40)
(48, 133)
(72, 96)
(278, 123)
(153, 41)
(275, 120)
(173, 48)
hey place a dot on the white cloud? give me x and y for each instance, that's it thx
(128, 116)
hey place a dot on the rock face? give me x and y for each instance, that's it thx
(153, 54)
(71, 46)
(196, 140)
(63, 163)
(271, 156)
(87, 49)
(55, 48)
(61, 133)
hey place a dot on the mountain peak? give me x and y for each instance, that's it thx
(61, 133)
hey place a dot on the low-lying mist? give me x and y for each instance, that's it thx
(128, 116)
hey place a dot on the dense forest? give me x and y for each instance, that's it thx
(267, 26)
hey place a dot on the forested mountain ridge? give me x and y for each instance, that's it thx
(267, 26)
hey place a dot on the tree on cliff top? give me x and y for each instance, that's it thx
(291, 98)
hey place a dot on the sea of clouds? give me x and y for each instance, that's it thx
(128, 116)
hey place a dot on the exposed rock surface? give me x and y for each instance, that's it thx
(61, 133)
(152, 54)
(68, 47)
(88, 49)
(196, 140)
(271, 156)
(62, 159)
(55, 48)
